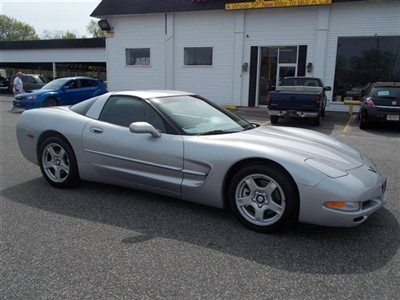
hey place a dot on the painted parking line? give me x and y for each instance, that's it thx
(348, 124)
(265, 123)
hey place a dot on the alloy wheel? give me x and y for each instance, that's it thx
(56, 163)
(260, 199)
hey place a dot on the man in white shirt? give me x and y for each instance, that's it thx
(18, 85)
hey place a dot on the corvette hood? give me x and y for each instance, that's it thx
(301, 142)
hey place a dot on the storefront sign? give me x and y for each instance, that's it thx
(274, 3)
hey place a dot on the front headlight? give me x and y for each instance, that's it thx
(325, 169)
(31, 97)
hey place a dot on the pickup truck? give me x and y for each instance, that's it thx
(301, 97)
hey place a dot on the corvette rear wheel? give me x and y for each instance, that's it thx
(263, 198)
(58, 163)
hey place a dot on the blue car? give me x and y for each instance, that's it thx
(63, 91)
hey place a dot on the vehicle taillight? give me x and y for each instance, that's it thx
(369, 102)
(269, 98)
(318, 99)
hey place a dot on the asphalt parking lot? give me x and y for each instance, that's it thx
(106, 242)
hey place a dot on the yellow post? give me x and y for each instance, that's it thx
(351, 104)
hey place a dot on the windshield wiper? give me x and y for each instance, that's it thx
(219, 131)
(252, 126)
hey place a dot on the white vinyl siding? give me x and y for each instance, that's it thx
(135, 33)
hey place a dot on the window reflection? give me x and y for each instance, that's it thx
(362, 61)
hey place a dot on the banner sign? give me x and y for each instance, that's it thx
(274, 3)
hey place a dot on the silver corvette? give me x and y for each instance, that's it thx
(179, 144)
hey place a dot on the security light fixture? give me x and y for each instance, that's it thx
(245, 67)
(309, 67)
(104, 25)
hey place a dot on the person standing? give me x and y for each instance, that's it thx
(18, 86)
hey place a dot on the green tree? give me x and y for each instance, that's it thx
(13, 30)
(58, 35)
(94, 30)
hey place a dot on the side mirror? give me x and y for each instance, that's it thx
(66, 88)
(328, 88)
(144, 127)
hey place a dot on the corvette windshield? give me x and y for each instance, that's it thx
(197, 117)
(55, 84)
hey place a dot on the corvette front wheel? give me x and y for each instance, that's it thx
(263, 198)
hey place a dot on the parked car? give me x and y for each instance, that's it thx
(3, 84)
(30, 82)
(301, 97)
(181, 145)
(381, 104)
(63, 91)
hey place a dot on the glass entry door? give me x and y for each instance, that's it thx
(276, 63)
(285, 71)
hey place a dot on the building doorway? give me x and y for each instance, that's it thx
(276, 63)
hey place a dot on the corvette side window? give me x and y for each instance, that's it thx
(123, 111)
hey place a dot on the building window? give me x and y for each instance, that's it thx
(138, 57)
(199, 56)
(362, 61)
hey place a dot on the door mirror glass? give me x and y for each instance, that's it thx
(144, 127)
(328, 88)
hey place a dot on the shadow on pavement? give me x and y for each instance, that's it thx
(382, 129)
(329, 122)
(303, 249)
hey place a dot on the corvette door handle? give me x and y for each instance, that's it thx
(96, 130)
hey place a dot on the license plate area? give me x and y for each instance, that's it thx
(291, 113)
(393, 117)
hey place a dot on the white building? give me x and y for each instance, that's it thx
(234, 53)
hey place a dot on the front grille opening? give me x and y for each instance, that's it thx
(370, 204)
(367, 204)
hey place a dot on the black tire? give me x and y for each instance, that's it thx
(287, 186)
(363, 121)
(323, 113)
(50, 102)
(70, 179)
(274, 120)
(316, 121)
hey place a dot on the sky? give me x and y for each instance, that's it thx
(72, 15)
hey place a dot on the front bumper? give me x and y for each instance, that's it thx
(290, 114)
(24, 104)
(361, 185)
